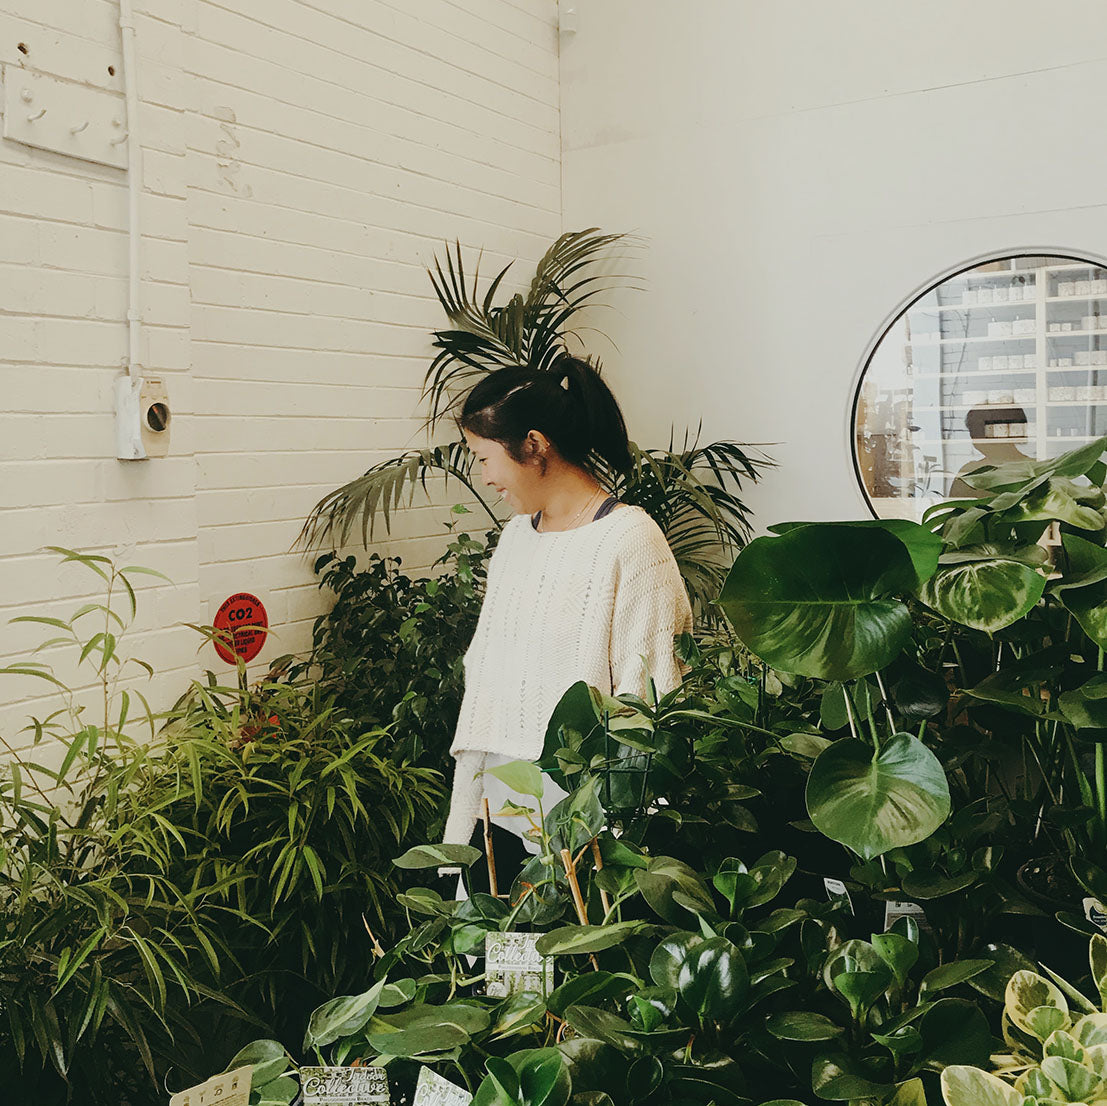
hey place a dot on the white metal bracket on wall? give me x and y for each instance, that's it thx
(65, 117)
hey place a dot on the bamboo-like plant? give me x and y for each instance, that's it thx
(692, 492)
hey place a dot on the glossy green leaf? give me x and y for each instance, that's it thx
(800, 1025)
(968, 1086)
(435, 856)
(836, 1079)
(1083, 589)
(713, 980)
(911, 1093)
(665, 876)
(341, 1017)
(861, 989)
(424, 1028)
(897, 952)
(588, 989)
(268, 1058)
(953, 1031)
(821, 600)
(950, 975)
(670, 954)
(875, 802)
(986, 594)
(575, 940)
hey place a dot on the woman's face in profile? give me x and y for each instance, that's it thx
(516, 483)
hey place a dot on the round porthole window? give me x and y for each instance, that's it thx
(1002, 361)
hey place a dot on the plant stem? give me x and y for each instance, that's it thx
(887, 706)
(849, 712)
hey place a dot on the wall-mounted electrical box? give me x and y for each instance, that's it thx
(65, 117)
(142, 418)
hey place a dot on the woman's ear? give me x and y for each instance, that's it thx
(536, 445)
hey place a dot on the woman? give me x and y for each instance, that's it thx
(580, 586)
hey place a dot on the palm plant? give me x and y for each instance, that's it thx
(692, 493)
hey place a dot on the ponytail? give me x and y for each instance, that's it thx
(568, 402)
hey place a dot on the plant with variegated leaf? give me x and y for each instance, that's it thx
(1058, 1042)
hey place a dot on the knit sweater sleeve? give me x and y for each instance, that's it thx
(651, 607)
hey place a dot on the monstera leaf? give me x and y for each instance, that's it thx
(822, 598)
(986, 586)
(873, 801)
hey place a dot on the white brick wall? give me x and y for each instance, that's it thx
(302, 161)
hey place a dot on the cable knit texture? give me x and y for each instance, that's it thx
(599, 603)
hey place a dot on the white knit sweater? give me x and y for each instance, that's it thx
(599, 603)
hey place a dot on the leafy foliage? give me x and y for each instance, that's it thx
(691, 492)
(290, 811)
(163, 894)
(102, 950)
(389, 651)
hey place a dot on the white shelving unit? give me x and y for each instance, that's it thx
(958, 330)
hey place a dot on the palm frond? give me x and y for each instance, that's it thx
(526, 331)
(691, 493)
(381, 489)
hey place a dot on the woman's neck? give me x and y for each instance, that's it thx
(571, 494)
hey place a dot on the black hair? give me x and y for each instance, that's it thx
(569, 403)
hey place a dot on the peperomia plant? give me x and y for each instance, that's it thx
(877, 1016)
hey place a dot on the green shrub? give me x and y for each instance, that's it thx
(103, 949)
(164, 894)
(291, 811)
(390, 650)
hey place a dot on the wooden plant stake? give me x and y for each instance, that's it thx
(597, 861)
(490, 853)
(578, 898)
(574, 885)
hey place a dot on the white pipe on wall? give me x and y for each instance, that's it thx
(134, 187)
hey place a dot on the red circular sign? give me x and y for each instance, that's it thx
(243, 617)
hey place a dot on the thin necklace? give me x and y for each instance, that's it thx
(576, 518)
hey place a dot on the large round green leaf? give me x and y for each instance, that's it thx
(714, 980)
(873, 802)
(987, 592)
(821, 600)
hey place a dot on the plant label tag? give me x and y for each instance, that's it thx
(232, 1088)
(836, 889)
(893, 911)
(344, 1086)
(512, 963)
(1096, 913)
(433, 1090)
